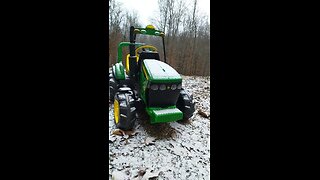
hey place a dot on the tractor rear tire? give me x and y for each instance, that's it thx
(113, 87)
(185, 104)
(124, 110)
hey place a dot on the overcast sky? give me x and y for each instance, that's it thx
(146, 9)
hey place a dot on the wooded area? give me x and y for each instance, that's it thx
(187, 32)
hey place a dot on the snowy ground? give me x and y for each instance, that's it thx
(165, 151)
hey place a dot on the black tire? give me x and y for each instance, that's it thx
(113, 87)
(127, 109)
(185, 104)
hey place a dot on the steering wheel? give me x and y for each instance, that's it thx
(152, 48)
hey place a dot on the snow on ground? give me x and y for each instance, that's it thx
(165, 151)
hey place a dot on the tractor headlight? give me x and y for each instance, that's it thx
(179, 86)
(173, 86)
(154, 87)
(162, 87)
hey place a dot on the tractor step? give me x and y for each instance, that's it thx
(161, 115)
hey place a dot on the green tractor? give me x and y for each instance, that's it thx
(146, 79)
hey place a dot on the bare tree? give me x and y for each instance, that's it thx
(187, 33)
(163, 17)
(116, 16)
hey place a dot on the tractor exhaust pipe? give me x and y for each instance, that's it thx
(132, 40)
(164, 50)
(132, 59)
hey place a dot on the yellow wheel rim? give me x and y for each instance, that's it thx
(116, 111)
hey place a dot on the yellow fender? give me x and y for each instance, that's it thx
(127, 63)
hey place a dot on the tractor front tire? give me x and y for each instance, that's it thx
(185, 104)
(124, 110)
(113, 87)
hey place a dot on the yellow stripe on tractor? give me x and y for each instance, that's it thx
(145, 72)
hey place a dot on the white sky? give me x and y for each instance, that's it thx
(147, 8)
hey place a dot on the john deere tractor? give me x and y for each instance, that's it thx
(143, 77)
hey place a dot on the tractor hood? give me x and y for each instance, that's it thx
(160, 72)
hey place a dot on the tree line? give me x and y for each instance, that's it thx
(187, 32)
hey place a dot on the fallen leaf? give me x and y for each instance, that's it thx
(173, 135)
(126, 136)
(131, 133)
(141, 172)
(118, 132)
(150, 140)
(203, 114)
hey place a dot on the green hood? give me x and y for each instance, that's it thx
(160, 72)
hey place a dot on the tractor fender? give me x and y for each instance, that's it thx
(118, 71)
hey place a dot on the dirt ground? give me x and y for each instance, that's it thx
(176, 150)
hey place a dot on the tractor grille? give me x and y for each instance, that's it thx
(163, 95)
